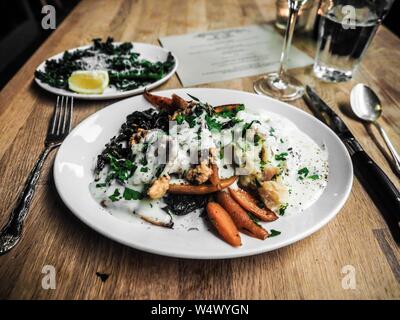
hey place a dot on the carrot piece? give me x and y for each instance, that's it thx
(200, 189)
(159, 102)
(227, 107)
(224, 224)
(250, 204)
(178, 102)
(214, 178)
(240, 217)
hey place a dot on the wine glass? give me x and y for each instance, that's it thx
(279, 84)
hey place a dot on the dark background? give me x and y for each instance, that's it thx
(21, 32)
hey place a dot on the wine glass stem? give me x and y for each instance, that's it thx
(293, 13)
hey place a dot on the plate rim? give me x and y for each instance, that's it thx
(232, 254)
(116, 95)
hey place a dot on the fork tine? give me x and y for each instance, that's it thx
(60, 116)
(67, 115)
(54, 117)
(69, 118)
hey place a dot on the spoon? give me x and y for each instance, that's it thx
(366, 106)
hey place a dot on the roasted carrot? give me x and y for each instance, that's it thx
(200, 189)
(240, 217)
(250, 204)
(159, 102)
(224, 224)
(227, 107)
(214, 178)
(178, 102)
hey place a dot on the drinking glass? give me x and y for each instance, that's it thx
(346, 29)
(279, 84)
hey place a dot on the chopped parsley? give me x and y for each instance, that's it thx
(221, 152)
(130, 194)
(226, 113)
(281, 156)
(271, 132)
(121, 170)
(303, 172)
(191, 120)
(144, 169)
(101, 185)
(213, 124)
(254, 219)
(274, 233)
(282, 209)
(115, 196)
(180, 118)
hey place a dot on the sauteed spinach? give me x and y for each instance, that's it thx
(126, 70)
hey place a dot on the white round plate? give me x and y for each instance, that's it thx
(73, 171)
(147, 51)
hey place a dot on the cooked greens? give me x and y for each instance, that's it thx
(126, 70)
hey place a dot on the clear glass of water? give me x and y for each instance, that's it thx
(346, 29)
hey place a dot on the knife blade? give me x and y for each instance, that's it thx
(378, 185)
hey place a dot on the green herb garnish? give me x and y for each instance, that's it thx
(226, 113)
(303, 172)
(130, 194)
(281, 156)
(314, 177)
(282, 209)
(274, 233)
(180, 118)
(101, 185)
(213, 124)
(271, 132)
(254, 219)
(191, 120)
(115, 196)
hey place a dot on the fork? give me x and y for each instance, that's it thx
(58, 129)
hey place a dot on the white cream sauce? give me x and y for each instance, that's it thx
(304, 170)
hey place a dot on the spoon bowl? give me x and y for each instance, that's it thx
(365, 103)
(367, 107)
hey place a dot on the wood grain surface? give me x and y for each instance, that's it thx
(309, 269)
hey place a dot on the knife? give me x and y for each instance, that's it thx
(378, 185)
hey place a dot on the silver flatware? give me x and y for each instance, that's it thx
(59, 127)
(367, 107)
(378, 185)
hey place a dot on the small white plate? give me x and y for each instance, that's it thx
(73, 171)
(147, 51)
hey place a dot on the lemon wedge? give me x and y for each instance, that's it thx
(89, 82)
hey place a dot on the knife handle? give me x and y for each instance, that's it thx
(383, 192)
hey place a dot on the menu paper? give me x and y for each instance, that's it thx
(227, 54)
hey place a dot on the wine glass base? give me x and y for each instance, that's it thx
(286, 90)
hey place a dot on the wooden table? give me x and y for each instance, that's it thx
(309, 269)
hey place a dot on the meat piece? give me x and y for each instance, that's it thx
(269, 172)
(140, 134)
(273, 194)
(159, 188)
(199, 174)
